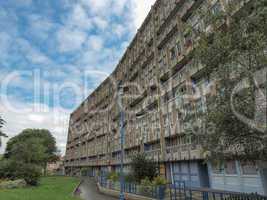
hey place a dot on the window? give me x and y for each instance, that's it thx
(194, 85)
(182, 90)
(172, 53)
(179, 49)
(217, 168)
(161, 63)
(199, 105)
(188, 40)
(230, 167)
(248, 168)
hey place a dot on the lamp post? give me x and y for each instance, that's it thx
(122, 123)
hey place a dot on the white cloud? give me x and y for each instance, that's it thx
(119, 30)
(31, 53)
(79, 18)
(5, 43)
(100, 51)
(36, 118)
(118, 6)
(97, 6)
(70, 40)
(40, 27)
(95, 43)
(140, 10)
(53, 119)
(17, 79)
(100, 22)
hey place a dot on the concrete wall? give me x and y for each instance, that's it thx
(238, 182)
(194, 173)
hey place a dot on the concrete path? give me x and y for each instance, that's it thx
(88, 191)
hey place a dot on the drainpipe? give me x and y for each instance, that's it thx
(120, 93)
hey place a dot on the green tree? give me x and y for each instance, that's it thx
(232, 53)
(36, 146)
(30, 151)
(2, 122)
(142, 167)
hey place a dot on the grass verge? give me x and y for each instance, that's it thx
(50, 188)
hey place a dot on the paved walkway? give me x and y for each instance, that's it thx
(89, 191)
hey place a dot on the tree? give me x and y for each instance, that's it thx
(2, 122)
(142, 167)
(36, 146)
(233, 53)
(29, 151)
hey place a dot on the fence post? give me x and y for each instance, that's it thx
(205, 195)
(175, 192)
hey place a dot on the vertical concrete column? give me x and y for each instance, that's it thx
(162, 134)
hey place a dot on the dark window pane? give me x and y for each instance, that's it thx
(230, 167)
(248, 168)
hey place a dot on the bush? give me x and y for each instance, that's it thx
(11, 170)
(146, 187)
(129, 178)
(159, 181)
(146, 182)
(8, 169)
(31, 174)
(113, 176)
(143, 168)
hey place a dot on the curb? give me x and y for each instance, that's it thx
(75, 191)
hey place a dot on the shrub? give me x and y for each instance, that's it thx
(159, 181)
(129, 178)
(146, 182)
(146, 187)
(8, 169)
(113, 176)
(31, 174)
(11, 169)
(142, 167)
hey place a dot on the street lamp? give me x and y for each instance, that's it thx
(122, 124)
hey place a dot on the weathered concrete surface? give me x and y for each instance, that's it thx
(88, 191)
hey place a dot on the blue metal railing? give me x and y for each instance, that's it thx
(179, 191)
(155, 192)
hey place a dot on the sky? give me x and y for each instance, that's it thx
(54, 53)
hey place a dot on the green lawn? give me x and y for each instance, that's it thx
(50, 188)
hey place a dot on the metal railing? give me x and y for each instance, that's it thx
(154, 192)
(179, 191)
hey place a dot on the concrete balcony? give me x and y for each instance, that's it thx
(153, 155)
(115, 161)
(183, 152)
(164, 74)
(188, 8)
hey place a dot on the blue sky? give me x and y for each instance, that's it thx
(53, 53)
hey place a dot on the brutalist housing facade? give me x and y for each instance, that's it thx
(156, 68)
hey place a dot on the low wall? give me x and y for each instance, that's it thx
(116, 194)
